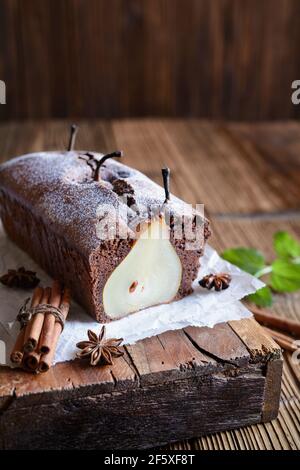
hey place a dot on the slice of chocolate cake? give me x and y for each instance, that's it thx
(111, 237)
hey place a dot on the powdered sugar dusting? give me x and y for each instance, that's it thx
(58, 188)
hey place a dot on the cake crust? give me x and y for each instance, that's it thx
(52, 208)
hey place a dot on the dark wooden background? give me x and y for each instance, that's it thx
(222, 59)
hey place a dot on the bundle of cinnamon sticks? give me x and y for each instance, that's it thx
(283, 330)
(36, 343)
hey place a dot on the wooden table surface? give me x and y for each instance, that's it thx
(248, 177)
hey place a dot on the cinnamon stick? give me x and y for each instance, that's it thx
(293, 365)
(286, 342)
(32, 355)
(34, 327)
(47, 359)
(31, 361)
(46, 337)
(17, 353)
(268, 318)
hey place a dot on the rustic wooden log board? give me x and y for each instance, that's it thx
(209, 162)
(177, 385)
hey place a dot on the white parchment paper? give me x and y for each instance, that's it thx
(202, 308)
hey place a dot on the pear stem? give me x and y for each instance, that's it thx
(117, 153)
(73, 133)
(96, 164)
(166, 180)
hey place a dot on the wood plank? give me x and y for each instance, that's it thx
(220, 59)
(221, 343)
(52, 135)
(210, 164)
(184, 353)
(148, 148)
(276, 146)
(65, 379)
(152, 362)
(88, 398)
(169, 356)
(220, 168)
(198, 154)
(267, 437)
(255, 339)
(172, 355)
(272, 390)
(186, 408)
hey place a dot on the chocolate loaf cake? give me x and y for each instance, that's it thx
(96, 235)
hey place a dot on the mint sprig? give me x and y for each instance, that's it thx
(248, 259)
(282, 275)
(286, 247)
(285, 276)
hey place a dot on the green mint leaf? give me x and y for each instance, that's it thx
(248, 259)
(285, 276)
(262, 297)
(286, 246)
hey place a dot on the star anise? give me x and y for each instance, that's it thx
(219, 281)
(21, 278)
(99, 349)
